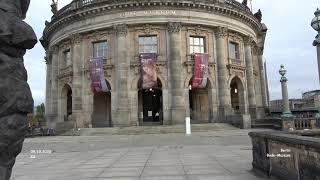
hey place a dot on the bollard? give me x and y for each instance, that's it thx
(188, 126)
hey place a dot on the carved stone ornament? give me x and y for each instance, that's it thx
(121, 30)
(174, 27)
(221, 32)
(248, 40)
(76, 38)
(16, 100)
(198, 30)
(147, 29)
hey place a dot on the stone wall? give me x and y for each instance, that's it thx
(286, 156)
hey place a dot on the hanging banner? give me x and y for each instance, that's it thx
(148, 70)
(98, 82)
(200, 76)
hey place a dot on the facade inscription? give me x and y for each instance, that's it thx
(148, 12)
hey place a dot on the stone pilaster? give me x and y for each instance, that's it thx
(250, 76)
(224, 89)
(48, 83)
(53, 116)
(262, 77)
(76, 56)
(122, 114)
(178, 111)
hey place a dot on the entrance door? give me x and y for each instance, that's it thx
(199, 105)
(101, 116)
(150, 106)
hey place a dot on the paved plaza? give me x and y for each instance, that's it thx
(219, 155)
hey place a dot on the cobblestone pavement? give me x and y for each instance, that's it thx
(219, 155)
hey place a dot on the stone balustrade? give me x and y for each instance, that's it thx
(286, 156)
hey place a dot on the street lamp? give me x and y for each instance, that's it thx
(287, 117)
(315, 24)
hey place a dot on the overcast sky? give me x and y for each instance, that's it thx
(289, 42)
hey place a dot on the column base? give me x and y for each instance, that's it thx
(223, 113)
(246, 121)
(253, 112)
(178, 115)
(122, 119)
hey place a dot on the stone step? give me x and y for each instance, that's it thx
(148, 130)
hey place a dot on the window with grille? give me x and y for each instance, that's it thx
(197, 45)
(100, 49)
(234, 50)
(148, 44)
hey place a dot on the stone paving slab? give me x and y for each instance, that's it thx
(219, 155)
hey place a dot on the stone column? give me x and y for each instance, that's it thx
(287, 117)
(262, 77)
(53, 118)
(76, 54)
(250, 77)
(122, 116)
(48, 83)
(223, 76)
(178, 112)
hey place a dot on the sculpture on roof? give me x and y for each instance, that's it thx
(15, 96)
(54, 7)
(258, 15)
(245, 2)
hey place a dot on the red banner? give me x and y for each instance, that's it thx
(200, 76)
(98, 82)
(148, 70)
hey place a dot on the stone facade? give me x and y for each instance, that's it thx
(77, 26)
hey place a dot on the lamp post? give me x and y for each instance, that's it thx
(287, 117)
(315, 24)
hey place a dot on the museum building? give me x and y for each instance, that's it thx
(218, 43)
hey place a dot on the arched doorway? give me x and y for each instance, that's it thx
(66, 102)
(199, 103)
(237, 95)
(101, 116)
(150, 105)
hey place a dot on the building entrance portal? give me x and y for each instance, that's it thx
(101, 116)
(199, 104)
(150, 105)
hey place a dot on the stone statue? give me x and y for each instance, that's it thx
(54, 7)
(245, 2)
(258, 15)
(15, 96)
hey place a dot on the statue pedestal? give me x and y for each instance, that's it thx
(288, 122)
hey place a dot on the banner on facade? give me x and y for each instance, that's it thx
(200, 76)
(148, 70)
(98, 82)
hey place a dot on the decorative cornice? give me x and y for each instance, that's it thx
(174, 27)
(78, 10)
(121, 30)
(221, 32)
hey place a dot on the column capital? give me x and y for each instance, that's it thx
(53, 49)
(76, 38)
(221, 32)
(174, 27)
(121, 30)
(260, 50)
(248, 41)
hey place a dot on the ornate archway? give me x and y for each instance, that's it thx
(66, 102)
(237, 95)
